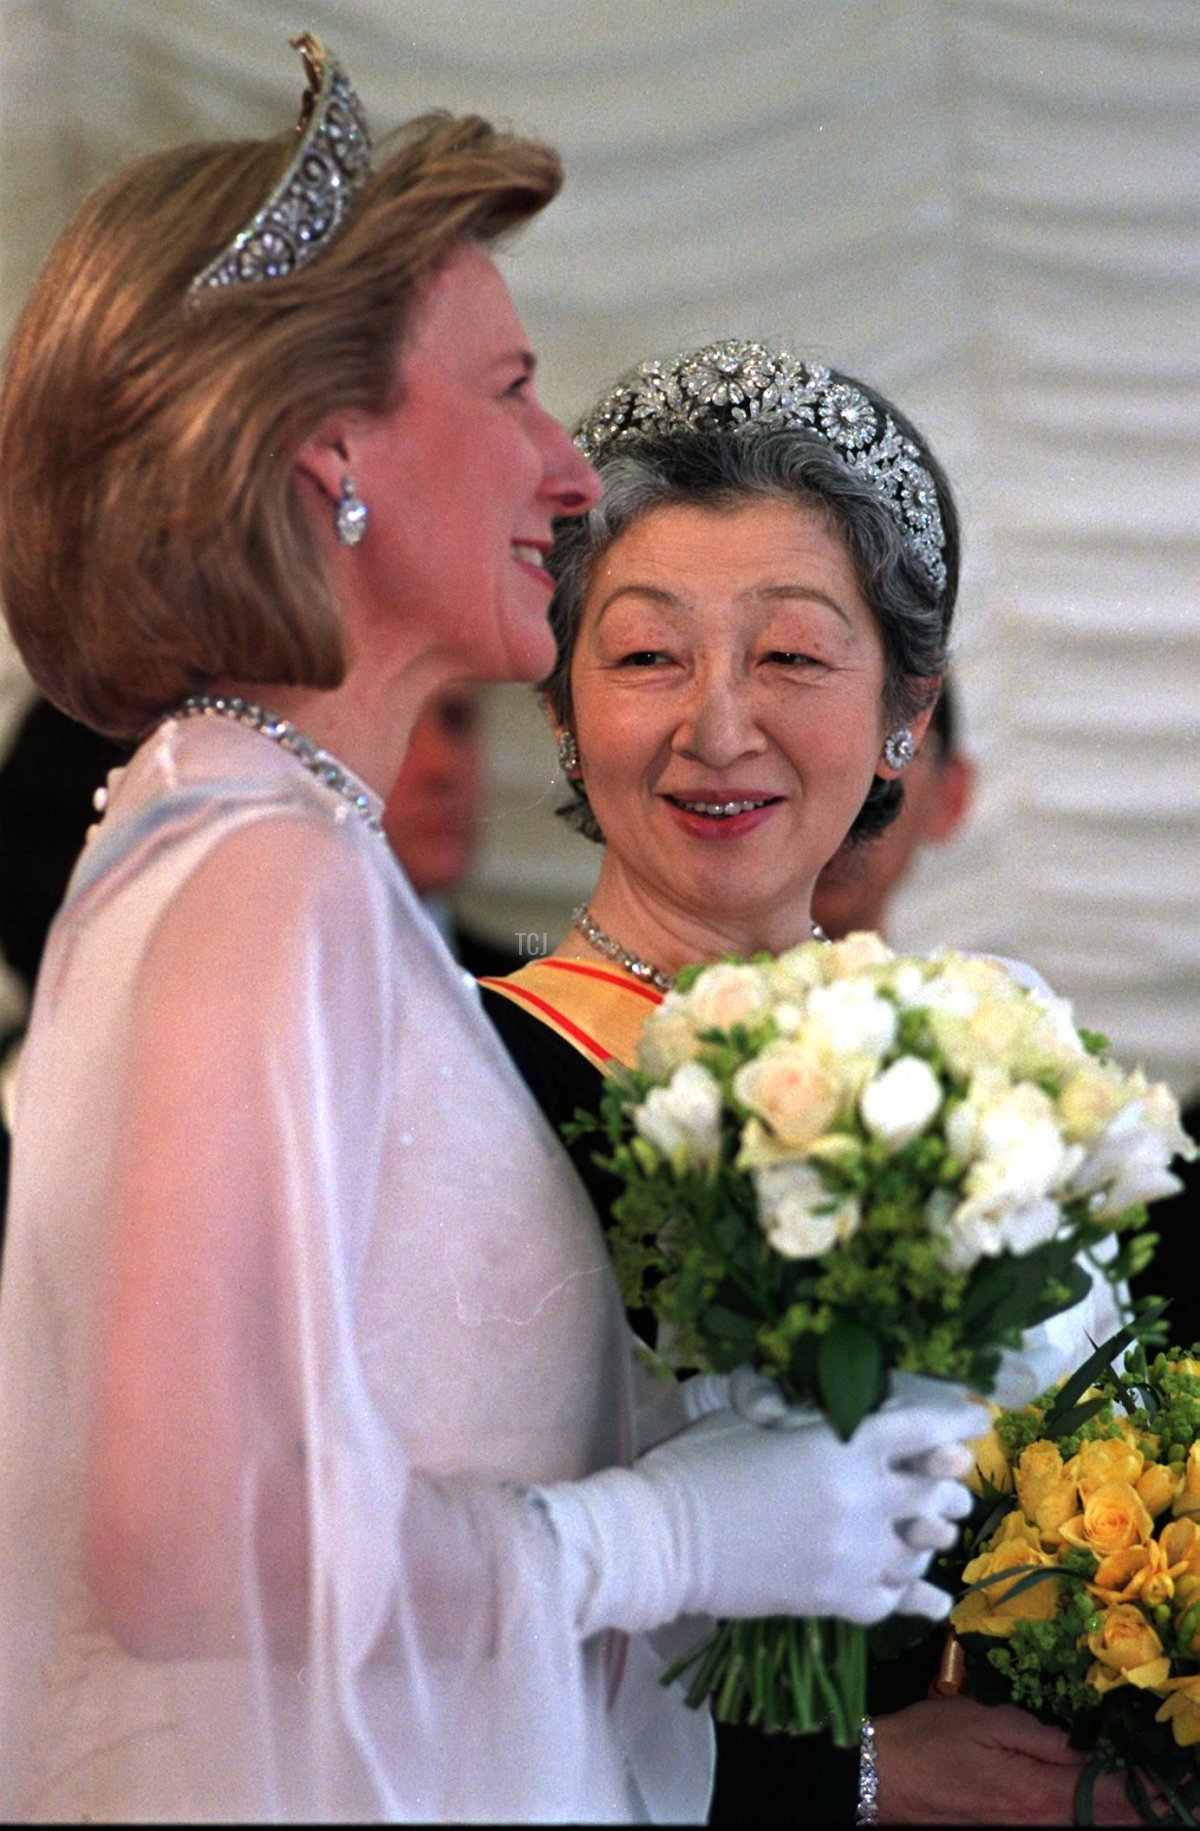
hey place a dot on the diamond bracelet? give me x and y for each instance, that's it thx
(868, 1777)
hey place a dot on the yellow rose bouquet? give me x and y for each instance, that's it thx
(1080, 1595)
(840, 1162)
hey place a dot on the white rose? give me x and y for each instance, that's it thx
(984, 974)
(1128, 1162)
(1011, 1138)
(792, 1089)
(725, 995)
(957, 984)
(964, 1239)
(856, 953)
(852, 1018)
(793, 974)
(908, 984)
(788, 1016)
(1059, 1017)
(800, 1216)
(1030, 1224)
(945, 990)
(1010, 1032)
(683, 1119)
(899, 1103)
(1090, 1098)
(989, 1223)
(759, 1147)
(668, 1040)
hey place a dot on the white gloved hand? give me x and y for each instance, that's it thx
(751, 1394)
(727, 1518)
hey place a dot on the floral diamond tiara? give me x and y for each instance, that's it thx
(309, 204)
(733, 385)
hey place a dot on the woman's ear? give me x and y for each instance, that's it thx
(324, 460)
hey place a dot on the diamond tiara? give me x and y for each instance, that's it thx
(732, 386)
(309, 204)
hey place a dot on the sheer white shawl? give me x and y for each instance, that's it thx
(296, 1280)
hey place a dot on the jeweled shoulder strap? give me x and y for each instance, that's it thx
(598, 1011)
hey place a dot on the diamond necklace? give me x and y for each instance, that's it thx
(581, 919)
(318, 762)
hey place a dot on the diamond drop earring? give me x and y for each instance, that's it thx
(899, 750)
(350, 514)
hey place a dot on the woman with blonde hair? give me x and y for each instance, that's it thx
(327, 1488)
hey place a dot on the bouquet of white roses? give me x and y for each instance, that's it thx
(840, 1162)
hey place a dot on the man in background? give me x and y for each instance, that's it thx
(855, 889)
(432, 819)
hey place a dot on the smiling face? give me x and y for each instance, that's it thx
(462, 480)
(726, 687)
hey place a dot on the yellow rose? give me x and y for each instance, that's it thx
(1123, 1575)
(1113, 1518)
(1157, 1486)
(991, 1610)
(1127, 1651)
(1014, 1528)
(1182, 1709)
(1187, 1501)
(1045, 1489)
(991, 1463)
(1108, 1459)
(1180, 1541)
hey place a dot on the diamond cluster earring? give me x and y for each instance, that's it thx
(899, 750)
(568, 751)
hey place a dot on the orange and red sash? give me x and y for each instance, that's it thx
(597, 1009)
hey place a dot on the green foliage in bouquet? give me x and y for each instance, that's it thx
(839, 1162)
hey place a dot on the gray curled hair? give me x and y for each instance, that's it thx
(724, 469)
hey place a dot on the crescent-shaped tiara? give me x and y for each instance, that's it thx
(309, 205)
(733, 385)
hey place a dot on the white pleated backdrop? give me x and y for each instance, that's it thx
(989, 207)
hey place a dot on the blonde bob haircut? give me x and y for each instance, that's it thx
(151, 537)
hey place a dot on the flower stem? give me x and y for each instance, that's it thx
(844, 1734)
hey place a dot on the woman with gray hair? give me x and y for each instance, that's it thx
(752, 627)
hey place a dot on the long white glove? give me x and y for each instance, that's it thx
(733, 1519)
